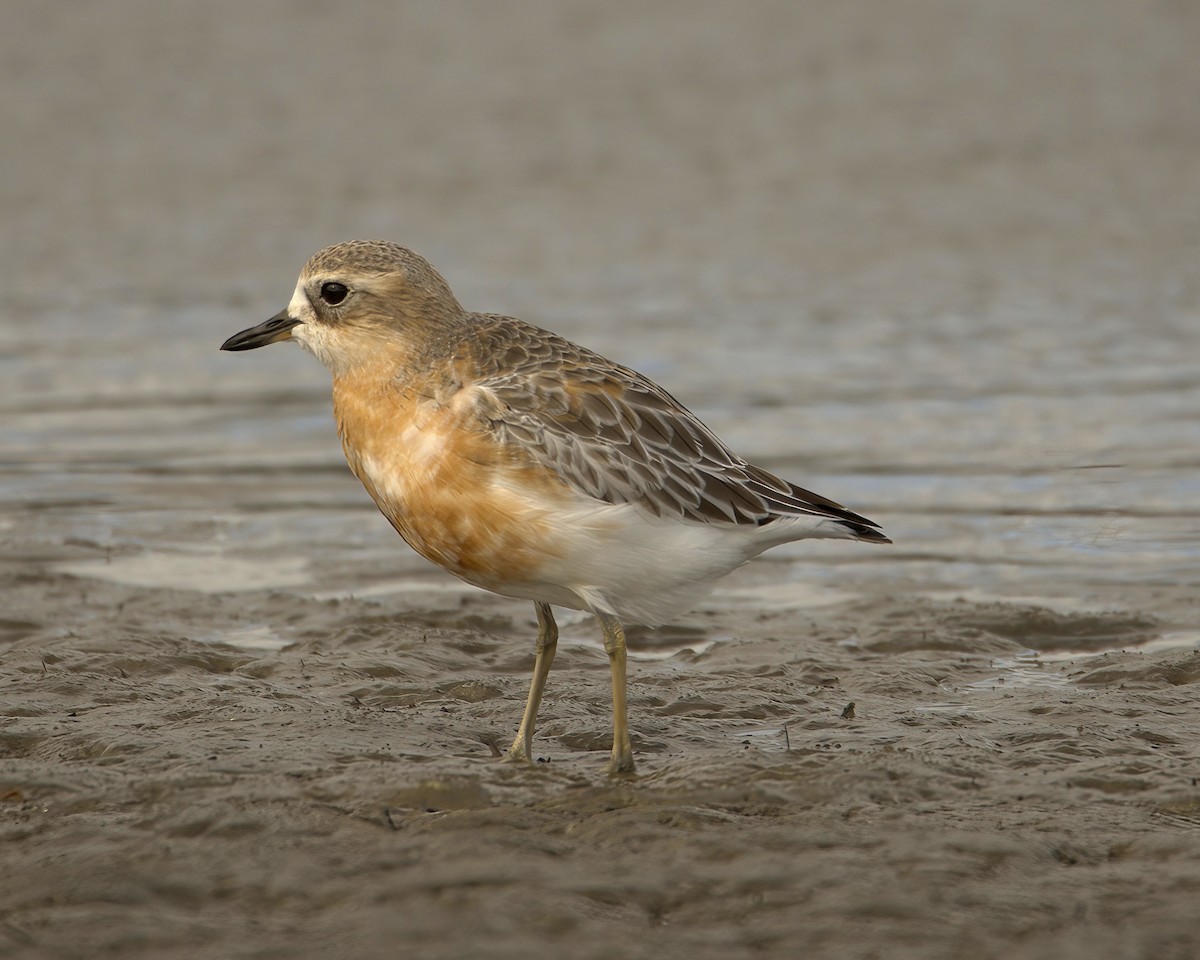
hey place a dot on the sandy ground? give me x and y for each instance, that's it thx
(958, 247)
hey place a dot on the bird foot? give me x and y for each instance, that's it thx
(518, 753)
(622, 765)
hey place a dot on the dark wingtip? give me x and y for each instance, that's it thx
(865, 533)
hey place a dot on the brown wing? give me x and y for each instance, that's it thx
(619, 437)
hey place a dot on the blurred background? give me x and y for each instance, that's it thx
(936, 260)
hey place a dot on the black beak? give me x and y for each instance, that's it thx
(279, 327)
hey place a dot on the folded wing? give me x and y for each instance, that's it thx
(615, 435)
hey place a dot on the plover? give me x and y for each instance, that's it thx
(528, 465)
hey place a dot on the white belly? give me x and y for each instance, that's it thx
(622, 560)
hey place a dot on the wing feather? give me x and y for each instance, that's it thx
(617, 436)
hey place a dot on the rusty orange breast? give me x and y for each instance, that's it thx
(459, 498)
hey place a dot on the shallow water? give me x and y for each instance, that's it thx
(1064, 477)
(939, 266)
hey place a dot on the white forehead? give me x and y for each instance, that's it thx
(304, 333)
(299, 305)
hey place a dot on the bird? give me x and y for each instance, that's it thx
(531, 466)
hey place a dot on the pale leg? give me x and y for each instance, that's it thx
(614, 646)
(547, 643)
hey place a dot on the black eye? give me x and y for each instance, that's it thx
(333, 293)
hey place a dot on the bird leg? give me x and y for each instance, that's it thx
(614, 646)
(547, 643)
